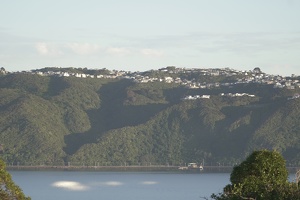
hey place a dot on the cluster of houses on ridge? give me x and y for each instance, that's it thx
(190, 97)
(251, 76)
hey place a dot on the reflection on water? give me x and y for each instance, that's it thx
(70, 185)
(107, 183)
(149, 182)
(77, 186)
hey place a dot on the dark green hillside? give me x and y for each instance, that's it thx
(115, 121)
(38, 112)
(32, 130)
(280, 130)
(34, 84)
(189, 131)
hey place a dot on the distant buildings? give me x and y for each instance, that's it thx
(190, 97)
(174, 75)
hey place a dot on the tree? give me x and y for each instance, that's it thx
(262, 175)
(2, 70)
(8, 189)
(257, 70)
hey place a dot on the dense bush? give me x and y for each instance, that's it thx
(8, 189)
(262, 176)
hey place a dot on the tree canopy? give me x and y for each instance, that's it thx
(8, 189)
(262, 176)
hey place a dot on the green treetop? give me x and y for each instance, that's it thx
(262, 176)
(8, 189)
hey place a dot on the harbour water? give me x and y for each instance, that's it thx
(95, 185)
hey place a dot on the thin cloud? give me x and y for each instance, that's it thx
(83, 48)
(118, 51)
(259, 42)
(46, 49)
(152, 52)
(238, 43)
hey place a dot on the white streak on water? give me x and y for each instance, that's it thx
(108, 183)
(70, 185)
(149, 182)
(113, 183)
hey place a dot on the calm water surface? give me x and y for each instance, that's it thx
(67, 185)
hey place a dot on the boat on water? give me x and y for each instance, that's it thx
(191, 167)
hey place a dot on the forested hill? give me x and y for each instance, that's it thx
(159, 116)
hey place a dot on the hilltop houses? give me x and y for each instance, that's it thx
(173, 75)
(237, 95)
(190, 97)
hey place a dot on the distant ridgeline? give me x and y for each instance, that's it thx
(173, 116)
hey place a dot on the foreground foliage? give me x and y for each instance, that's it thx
(8, 189)
(262, 176)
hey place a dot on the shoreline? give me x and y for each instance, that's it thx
(131, 168)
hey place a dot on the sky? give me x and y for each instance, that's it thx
(139, 35)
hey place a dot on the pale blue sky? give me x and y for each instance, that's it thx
(139, 35)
